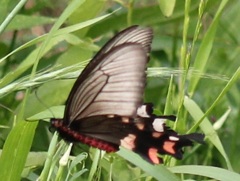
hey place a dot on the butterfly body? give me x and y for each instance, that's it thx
(105, 107)
(74, 136)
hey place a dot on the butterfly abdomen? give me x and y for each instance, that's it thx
(71, 135)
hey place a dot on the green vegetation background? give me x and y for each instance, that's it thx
(193, 73)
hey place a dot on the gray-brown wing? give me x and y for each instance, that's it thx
(114, 87)
(130, 36)
(133, 34)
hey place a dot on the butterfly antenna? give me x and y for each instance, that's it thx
(44, 105)
(10, 110)
(7, 108)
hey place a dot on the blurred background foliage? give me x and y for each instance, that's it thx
(62, 57)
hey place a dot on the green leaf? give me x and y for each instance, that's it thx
(20, 22)
(206, 127)
(88, 10)
(16, 149)
(59, 32)
(205, 49)
(167, 6)
(159, 172)
(207, 171)
(56, 111)
(143, 16)
(168, 106)
(29, 61)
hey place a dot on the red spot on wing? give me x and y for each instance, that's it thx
(128, 142)
(168, 146)
(152, 154)
(157, 134)
(125, 119)
(140, 126)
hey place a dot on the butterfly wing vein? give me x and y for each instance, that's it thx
(115, 86)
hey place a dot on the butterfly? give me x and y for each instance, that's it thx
(105, 107)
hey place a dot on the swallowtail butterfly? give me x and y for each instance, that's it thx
(105, 107)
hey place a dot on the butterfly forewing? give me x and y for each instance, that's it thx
(114, 87)
(133, 34)
(121, 64)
